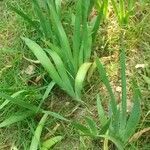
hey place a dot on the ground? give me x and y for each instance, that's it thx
(16, 74)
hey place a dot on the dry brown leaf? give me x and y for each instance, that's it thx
(30, 70)
(137, 135)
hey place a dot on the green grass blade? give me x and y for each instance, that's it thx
(82, 128)
(131, 4)
(13, 96)
(56, 49)
(55, 115)
(92, 125)
(58, 7)
(86, 38)
(37, 134)
(105, 127)
(24, 16)
(104, 79)
(62, 37)
(52, 34)
(16, 118)
(44, 60)
(19, 102)
(135, 114)
(122, 9)
(116, 9)
(85, 50)
(97, 23)
(42, 18)
(80, 78)
(105, 9)
(92, 3)
(124, 90)
(48, 144)
(81, 55)
(77, 33)
(31, 107)
(48, 90)
(114, 112)
(101, 113)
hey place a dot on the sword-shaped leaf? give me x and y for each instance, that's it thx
(48, 144)
(19, 116)
(44, 60)
(80, 78)
(92, 125)
(135, 114)
(37, 134)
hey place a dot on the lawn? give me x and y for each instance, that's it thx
(74, 75)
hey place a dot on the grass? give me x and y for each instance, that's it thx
(19, 135)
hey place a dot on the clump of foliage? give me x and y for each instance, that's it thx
(123, 10)
(116, 125)
(67, 62)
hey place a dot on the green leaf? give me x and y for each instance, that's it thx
(122, 8)
(44, 60)
(105, 127)
(116, 10)
(21, 103)
(16, 118)
(56, 49)
(105, 9)
(13, 96)
(87, 43)
(112, 104)
(104, 79)
(67, 85)
(43, 22)
(123, 84)
(58, 7)
(55, 115)
(48, 90)
(85, 50)
(48, 144)
(131, 5)
(80, 78)
(92, 3)
(101, 113)
(135, 114)
(82, 128)
(77, 33)
(97, 23)
(92, 125)
(31, 107)
(62, 37)
(37, 134)
(24, 16)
